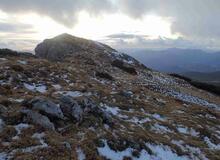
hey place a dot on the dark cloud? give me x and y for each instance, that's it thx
(192, 18)
(137, 9)
(18, 44)
(143, 42)
(62, 11)
(125, 36)
(15, 28)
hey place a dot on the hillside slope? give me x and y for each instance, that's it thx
(96, 103)
(212, 77)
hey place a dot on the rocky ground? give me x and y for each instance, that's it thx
(88, 101)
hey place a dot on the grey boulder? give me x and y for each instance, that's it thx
(2, 125)
(39, 119)
(71, 108)
(47, 106)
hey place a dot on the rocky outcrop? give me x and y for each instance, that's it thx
(45, 113)
(2, 124)
(63, 45)
(39, 119)
(104, 75)
(47, 107)
(80, 109)
(121, 65)
(71, 108)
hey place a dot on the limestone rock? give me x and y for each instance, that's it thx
(47, 106)
(2, 125)
(39, 119)
(71, 108)
(59, 47)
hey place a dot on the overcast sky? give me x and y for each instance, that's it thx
(120, 23)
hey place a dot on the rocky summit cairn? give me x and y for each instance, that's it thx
(65, 44)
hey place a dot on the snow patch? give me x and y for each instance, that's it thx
(162, 152)
(158, 117)
(73, 94)
(33, 87)
(107, 152)
(57, 86)
(194, 153)
(211, 145)
(38, 136)
(19, 128)
(3, 59)
(3, 156)
(16, 100)
(80, 154)
(191, 99)
(22, 62)
(113, 110)
(186, 130)
(30, 149)
(160, 129)
(136, 120)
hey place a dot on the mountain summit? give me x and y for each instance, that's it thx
(81, 99)
(65, 44)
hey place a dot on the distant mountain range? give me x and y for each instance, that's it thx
(194, 63)
(178, 60)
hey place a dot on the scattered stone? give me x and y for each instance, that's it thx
(71, 108)
(127, 94)
(39, 119)
(104, 75)
(120, 64)
(2, 125)
(47, 107)
(79, 109)
(3, 109)
(17, 68)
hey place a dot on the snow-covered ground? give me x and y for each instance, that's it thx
(38, 136)
(160, 152)
(194, 153)
(191, 99)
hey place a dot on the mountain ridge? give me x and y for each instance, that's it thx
(176, 60)
(98, 103)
